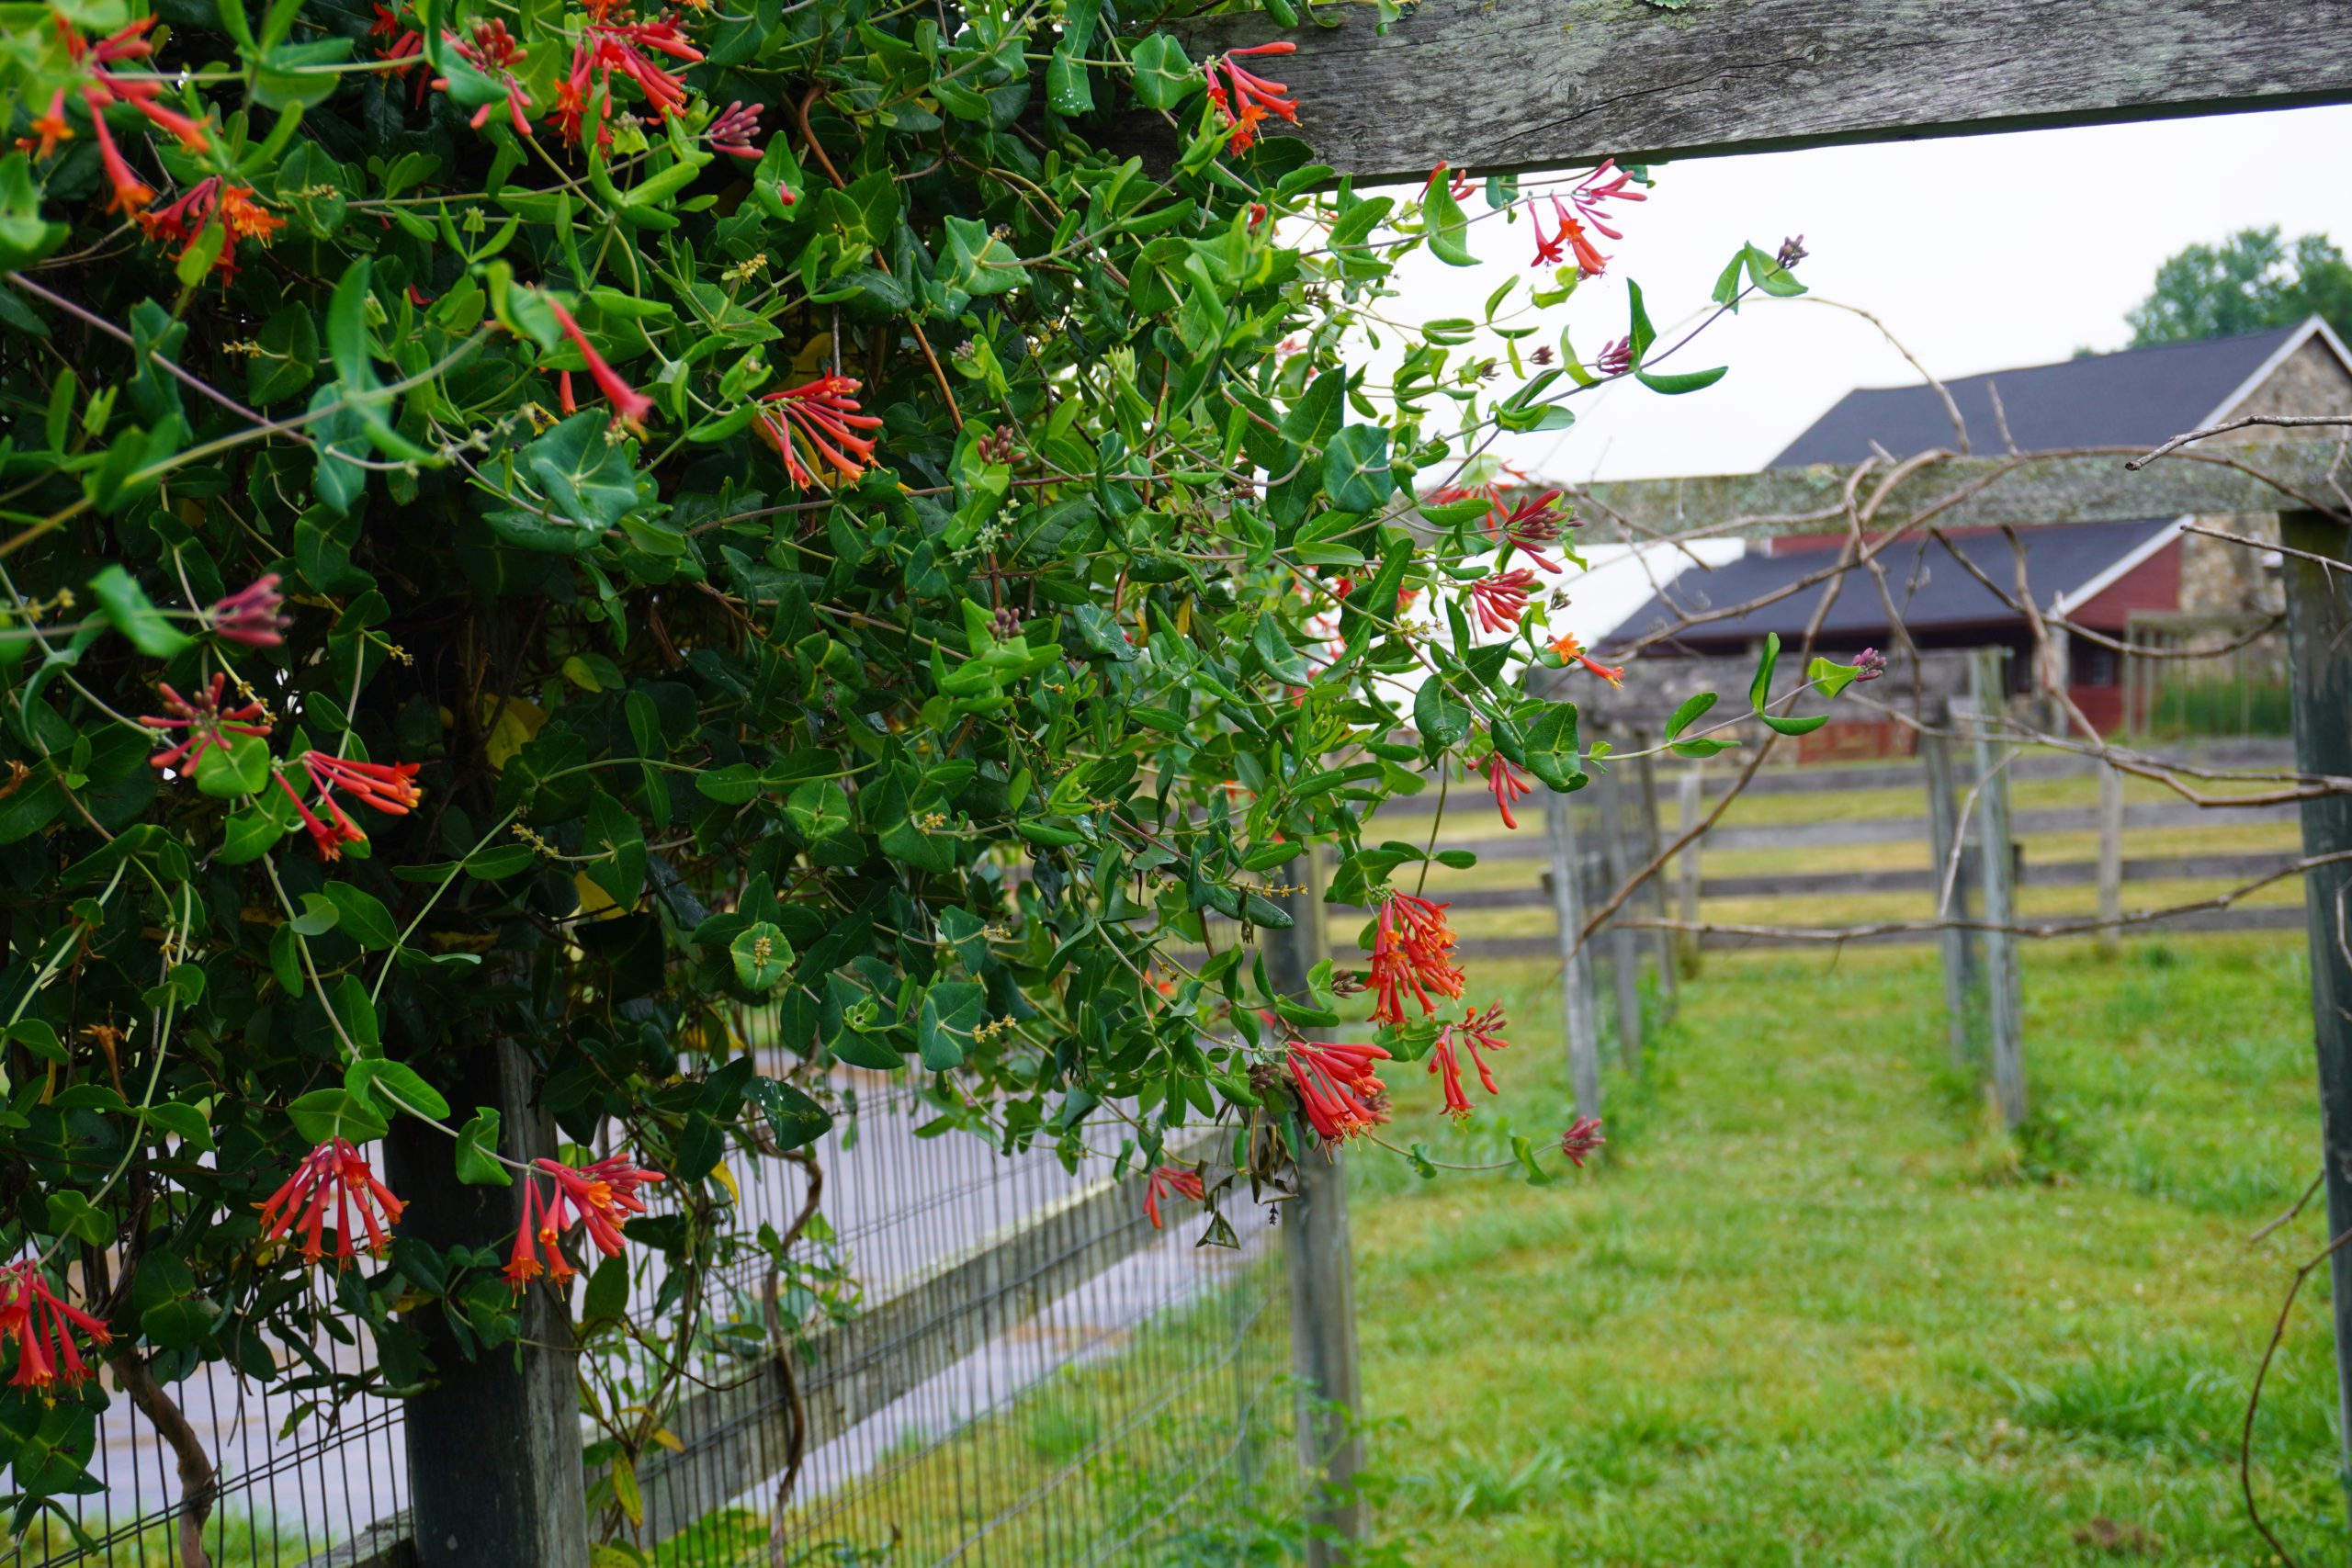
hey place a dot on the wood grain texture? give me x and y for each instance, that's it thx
(2026, 491)
(1510, 85)
(2319, 641)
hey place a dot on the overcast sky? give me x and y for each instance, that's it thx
(1981, 252)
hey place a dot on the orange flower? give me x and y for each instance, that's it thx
(247, 218)
(1244, 99)
(334, 1170)
(1336, 1088)
(51, 126)
(1412, 951)
(824, 414)
(629, 406)
(1478, 1032)
(40, 1321)
(131, 192)
(1567, 648)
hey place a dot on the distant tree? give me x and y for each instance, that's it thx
(2250, 281)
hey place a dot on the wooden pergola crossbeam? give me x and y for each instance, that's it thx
(1513, 84)
(2035, 491)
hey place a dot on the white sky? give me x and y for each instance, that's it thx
(1981, 252)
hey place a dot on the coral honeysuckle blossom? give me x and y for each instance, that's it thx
(1336, 1088)
(1505, 784)
(601, 1197)
(629, 406)
(1499, 598)
(493, 52)
(823, 414)
(39, 1323)
(1582, 1140)
(203, 721)
(1243, 99)
(332, 1172)
(612, 43)
(250, 615)
(203, 204)
(1412, 951)
(388, 787)
(1589, 199)
(1478, 1034)
(1568, 647)
(1167, 1179)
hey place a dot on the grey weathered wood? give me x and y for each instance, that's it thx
(384, 1544)
(1689, 789)
(1654, 893)
(1577, 1022)
(1948, 866)
(528, 1509)
(1904, 830)
(2023, 491)
(2110, 854)
(1624, 941)
(2004, 1021)
(1548, 83)
(2319, 638)
(1321, 1269)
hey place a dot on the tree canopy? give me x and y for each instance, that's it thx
(2249, 281)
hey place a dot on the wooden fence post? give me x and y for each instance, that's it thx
(1690, 791)
(1944, 830)
(495, 1470)
(1624, 942)
(2319, 644)
(1654, 895)
(1322, 1280)
(2111, 857)
(1988, 684)
(1575, 966)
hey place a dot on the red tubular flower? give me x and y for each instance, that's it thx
(1171, 1179)
(1412, 951)
(1250, 98)
(523, 1264)
(1499, 598)
(1616, 358)
(1505, 784)
(1478, 1034)
(496, 55)
(606, 47)
(327, 836)
(131, 192)
(42, 1323)
(51, 126)
(629, 406)
(332, 1170)
(732, 134)
(388, 787)
(209, 201)
(1581, 1139)
(250, 614)
(1336, 1087)
(824, 414)
(1567, 648)
(204, 721)
(1596, 190)
(602, 1196)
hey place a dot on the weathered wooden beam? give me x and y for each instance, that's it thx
(1508, 84)
(2026, 491)
(2319, 631)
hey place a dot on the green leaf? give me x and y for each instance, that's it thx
(951, 1010)
(400, 1083)
(1355, 468)
(763, 957)
(130, 611)
(1641, 334)
(1551, 747)
(1440, 716)
(975, 260)
(327, 1113)
(1829, 677)
(794, 1119)
(618, 844)
(247, 836)
(1674, 385)
(25, 235)
(477, 1146)
(286, 356)
(1689, 714)
(70, 1213)
(1760, 689)
(238, 765)
(1164, 77)
(1446, 225)
(362, 916)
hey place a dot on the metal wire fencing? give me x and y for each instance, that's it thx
(992, 1357)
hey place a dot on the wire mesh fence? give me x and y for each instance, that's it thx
(990, 1356)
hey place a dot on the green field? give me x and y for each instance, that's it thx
(1817, 1310)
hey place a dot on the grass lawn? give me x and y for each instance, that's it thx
(1816, 1309)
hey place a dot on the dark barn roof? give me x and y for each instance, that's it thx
(2137, 398)
(1931, 591)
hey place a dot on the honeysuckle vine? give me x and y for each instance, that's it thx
(720, 551)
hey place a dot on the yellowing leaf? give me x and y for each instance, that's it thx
(595, 902)
(512, 721)
(726, 1180)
